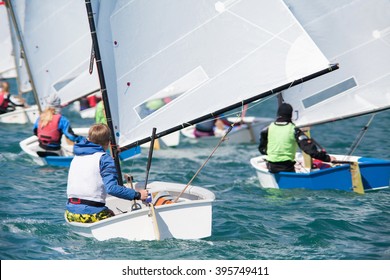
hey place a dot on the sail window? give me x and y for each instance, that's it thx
(181, 86)
(61, 84)
(329, 92)
(154, 104)
(70, 77)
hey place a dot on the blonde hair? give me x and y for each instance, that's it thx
(99, 134)
(46, 117)
(5, 86)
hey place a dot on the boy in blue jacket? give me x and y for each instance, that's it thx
(92, 175)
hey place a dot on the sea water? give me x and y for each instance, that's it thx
(249, 223)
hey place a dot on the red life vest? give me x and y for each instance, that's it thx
(3, 101)
(91, 101)
(320, 164)
(50, 133)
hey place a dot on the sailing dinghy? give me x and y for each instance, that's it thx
(189, 218)
(21, 115)
(54, 36)
(247, 131)
(30, 146)
(57, 47)
(12, 65)
(361, 86)
(196, 53)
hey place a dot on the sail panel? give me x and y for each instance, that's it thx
(356, 34)
(57, 42)
(7, 61)
(202, 55)
(23, 78)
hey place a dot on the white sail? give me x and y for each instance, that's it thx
(356, 34)
(23, 78)
(57, 43)
(7, 61)
(199, 56)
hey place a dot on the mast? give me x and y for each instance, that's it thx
(11, 14)
(234, 106)
(14, 51)
(103, 87)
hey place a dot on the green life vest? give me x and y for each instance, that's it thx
(100, 116)
(281, 145)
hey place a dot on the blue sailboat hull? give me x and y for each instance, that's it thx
(58, 161)
(64, 161)
(375, 174)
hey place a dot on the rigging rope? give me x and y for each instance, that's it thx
(360, 137)
(223, 138)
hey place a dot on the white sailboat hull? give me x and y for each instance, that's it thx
(88, 113)
(170, 140)
(248, 132)
(30, 146)
(21, 115)
(189, 218)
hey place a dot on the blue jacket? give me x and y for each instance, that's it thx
(109, 177)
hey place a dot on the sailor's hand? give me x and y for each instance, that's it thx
(332, 159)
(144, 194)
